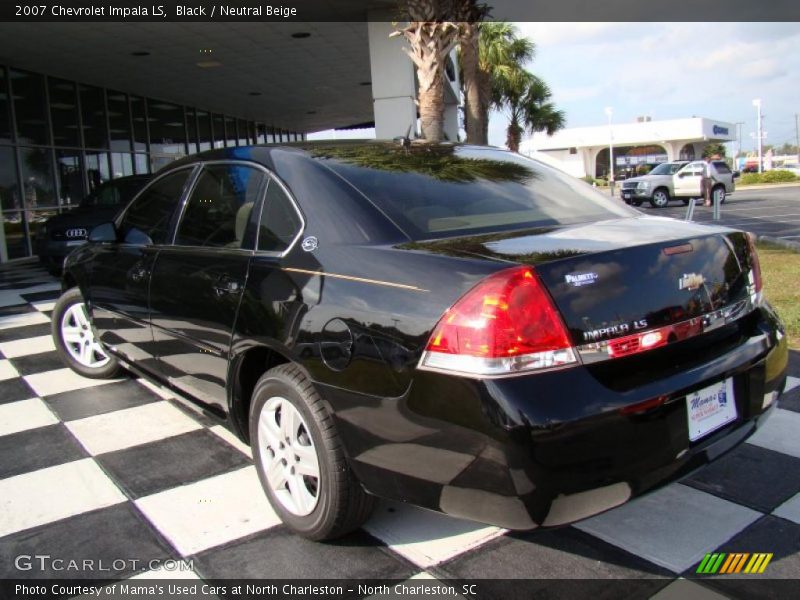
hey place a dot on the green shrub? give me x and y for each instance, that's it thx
(776, 176)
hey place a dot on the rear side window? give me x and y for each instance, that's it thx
(219, 207)
(448, 191)
(147, 220)
(280, 222)
(722, 168)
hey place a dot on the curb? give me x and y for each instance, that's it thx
(779, 242)
(767, 186)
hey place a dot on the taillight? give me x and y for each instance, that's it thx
(504, 325)
(755, 264)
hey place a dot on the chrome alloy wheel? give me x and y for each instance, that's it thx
(79, 340)
(288, 456)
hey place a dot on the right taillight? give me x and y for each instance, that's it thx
(755, 265)
(506, 324)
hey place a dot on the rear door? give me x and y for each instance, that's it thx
(121, 272)
(197, 282)
(687, 182)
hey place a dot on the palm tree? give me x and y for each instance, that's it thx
(501, 54)
(431, 35)
(469, 15)
(526, 100)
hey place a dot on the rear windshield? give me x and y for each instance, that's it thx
(446, 191)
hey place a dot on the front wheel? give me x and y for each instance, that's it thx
(75, 340)
(660, 198)
(300, 459)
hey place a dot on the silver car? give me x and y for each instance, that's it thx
(678, 180)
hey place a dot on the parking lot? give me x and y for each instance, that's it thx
(773, 211)
(123, 470)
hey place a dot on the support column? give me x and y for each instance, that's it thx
(393, 88)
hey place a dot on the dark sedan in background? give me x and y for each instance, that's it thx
(456, 327)
(61, 234)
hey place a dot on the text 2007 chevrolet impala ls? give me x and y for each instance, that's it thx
(455, 327)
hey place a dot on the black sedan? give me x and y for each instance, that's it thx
(61, 234)
(456, 327)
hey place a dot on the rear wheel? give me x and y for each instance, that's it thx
(718, 194)
(75, 340)
(660, 198)
(300, 458)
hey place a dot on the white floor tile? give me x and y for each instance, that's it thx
(44, 305)
(23, 415)
(780, 433)
(21, 320)
(131, 427)
(684, 589)
(790, 509)
(156, 389)
(7, 370)
(54, 493)
(672, 527)
(27, 346)
(61, 380)
(424, 537)
(791, 383)
(210, 512)
(234, 441)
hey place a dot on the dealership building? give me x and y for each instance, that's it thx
(82, 103)
(584, 151)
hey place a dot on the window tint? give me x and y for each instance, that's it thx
(280, 222)
(721, 167)
(220, 206)
(148, 218)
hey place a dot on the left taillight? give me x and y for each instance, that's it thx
(506, 324)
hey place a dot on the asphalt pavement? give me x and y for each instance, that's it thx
(773, 212)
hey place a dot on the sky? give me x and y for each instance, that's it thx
(669, 70)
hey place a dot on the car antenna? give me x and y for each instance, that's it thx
(405, 140)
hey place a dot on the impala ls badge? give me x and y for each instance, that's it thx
(691, 281)
(581, 279)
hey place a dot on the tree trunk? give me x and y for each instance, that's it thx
(431, 101)
(472, 98)
(484, 102)
(513, 136)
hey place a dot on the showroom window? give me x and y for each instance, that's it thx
(64, 112)
(97, 171)
(139, 119)
(219, 130)
(69, 170)
(119, 121)
(37, 174)
(204, 130)
(29, 107)
(93, 111)
(219, 208)
(5, 109)
(280, 222)
(147, 221)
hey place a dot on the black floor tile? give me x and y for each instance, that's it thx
(280, 554)
(38, 363)
(39, 296)
(38, 449)
(15, 389)
(117, 533)
(100, 399)
(17, 309)
(28, 331)
(179, 460)
(779, 580)
(548, 558)
(753, 476)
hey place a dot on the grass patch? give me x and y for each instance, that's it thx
(775, 176)
(780, 268)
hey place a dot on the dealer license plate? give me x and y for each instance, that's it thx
(710, 408)
(626, 195)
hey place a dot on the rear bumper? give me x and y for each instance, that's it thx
(551, 448)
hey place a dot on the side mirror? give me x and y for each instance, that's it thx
(104, 233)
(737, 174)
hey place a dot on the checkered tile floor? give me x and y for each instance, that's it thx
(120, 469)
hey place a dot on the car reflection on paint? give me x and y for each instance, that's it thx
(455, 327)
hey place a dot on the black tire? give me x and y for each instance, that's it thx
(342, 505)
(636, 202)
(685, 201)
(660, 198)
(719, 189)
(68, 299)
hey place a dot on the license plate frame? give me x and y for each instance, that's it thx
(710, 408)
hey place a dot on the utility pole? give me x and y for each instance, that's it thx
(759, 135)
(797, 134)
(609, 113)
(739, 138)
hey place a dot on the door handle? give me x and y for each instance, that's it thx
(226, 285)
(138, 273)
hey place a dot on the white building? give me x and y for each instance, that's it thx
(585, 150)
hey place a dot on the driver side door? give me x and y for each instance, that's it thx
(688, 181)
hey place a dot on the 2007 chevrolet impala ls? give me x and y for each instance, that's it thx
(456, 327)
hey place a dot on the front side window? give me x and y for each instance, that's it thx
(147, 220)
(280, 222)
(219, 207)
